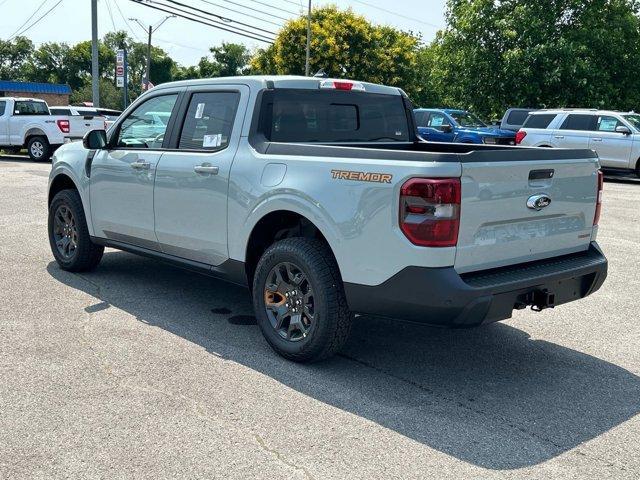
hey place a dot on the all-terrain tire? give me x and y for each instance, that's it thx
(331, 324)
(86, 255)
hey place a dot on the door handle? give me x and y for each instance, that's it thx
(596, 139)
(142, 165)
(559, 137)
(206, 169)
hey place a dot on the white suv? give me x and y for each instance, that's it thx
(615, 136)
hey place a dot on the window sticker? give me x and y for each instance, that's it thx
(437, 121)
(209, 141)
(608, 124)
(200, 110)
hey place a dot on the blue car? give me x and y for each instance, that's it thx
(460, 126)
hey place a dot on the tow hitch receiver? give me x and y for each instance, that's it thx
(538, 300)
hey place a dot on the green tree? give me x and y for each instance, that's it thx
(345, 45)
(541, 53)
(16, 57)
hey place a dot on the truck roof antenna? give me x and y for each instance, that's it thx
(321, 74)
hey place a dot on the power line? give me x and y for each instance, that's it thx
(126, 22)
(244, 13)
(39, 19)
(397, 14)
(202, 22)
(27, 20)
(110, 15)
(275, 8)
(224, 19)
(253, 9)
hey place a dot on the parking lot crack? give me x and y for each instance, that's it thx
(511, 425)
(281, 458)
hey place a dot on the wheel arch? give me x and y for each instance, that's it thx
(277, 225)
(34, 132)
(60, 182)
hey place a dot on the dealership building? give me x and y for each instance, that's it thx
(54, 94)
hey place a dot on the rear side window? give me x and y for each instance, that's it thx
(579, 122)
(517, 117)
(539, 121)
(422, 118)
(28, 107)
(319, 116)
(209, 121)
(3, 107)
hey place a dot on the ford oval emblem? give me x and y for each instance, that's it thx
(538, 202)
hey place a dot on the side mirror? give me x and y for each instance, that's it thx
(446, 128)
(624, 130)
(95, 140)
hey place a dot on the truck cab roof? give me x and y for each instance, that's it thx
(281, 81)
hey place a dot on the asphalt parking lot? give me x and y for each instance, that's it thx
(142, 370)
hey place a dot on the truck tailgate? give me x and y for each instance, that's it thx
(81, 124)
(497, 228)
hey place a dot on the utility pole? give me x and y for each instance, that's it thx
(95, 85)
(306, 63)
(149, 31)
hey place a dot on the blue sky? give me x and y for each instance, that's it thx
(187, 41)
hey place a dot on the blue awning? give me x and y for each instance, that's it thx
(34, 87)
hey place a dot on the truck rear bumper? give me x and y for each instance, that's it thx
(440, 296)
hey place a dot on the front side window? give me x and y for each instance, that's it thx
(607, 123)
(146, 126)
(3, 107)
(438, 120)
(580, 122)
(209, 121)
(467, 119)
(29, 107)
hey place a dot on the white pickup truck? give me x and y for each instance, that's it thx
(28, 123)
(320, 196)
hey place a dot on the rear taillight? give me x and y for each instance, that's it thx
(430, 211)
(596, 218)
(63, 125)
(520, 136)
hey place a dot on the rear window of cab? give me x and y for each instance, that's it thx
(320, 116)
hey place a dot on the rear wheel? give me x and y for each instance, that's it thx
(69, 237)
(638, 169)
(39, 149)
(299, 300)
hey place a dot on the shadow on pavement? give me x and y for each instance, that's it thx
(492, 397)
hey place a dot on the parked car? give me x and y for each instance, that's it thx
(27, 123)
(459, 126)
(615, 136)
(514, 118)
(81, 120)
(320, 196)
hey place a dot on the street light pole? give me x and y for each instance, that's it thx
(149, 31)
(95, 85)
(306, 63)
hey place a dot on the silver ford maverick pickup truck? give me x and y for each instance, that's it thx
(320, 196)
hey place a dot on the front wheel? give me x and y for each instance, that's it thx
(299, 300)
(69, 237)
(39, 149)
